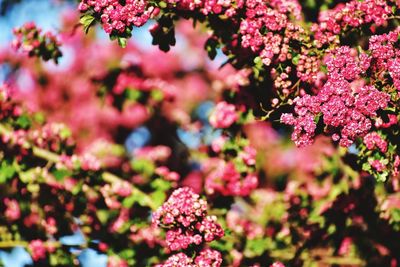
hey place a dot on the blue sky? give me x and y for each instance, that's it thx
(30, 10)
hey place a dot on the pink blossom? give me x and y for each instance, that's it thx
(373, 139)
(218, 143)
(178, 260)
(208, 257)
(225, 179)
(377, 164)
(37, 249)
(248, 155)
(224, 115)
(115, 261)
(184, 214)
(12, 211)
(116, 16)
(277, 264)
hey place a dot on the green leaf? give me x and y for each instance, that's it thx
(103, 216)
(87, 20)
(256, 247)
(258, 61)
(113, 36)
(157, 95)
(6, 172)
(143, 166)
(129, 201)
(133, 94)
(122, 41)
(23, 122)
(366, 166)
(158, 197)
(39, 117)
(160, 184)
(65, 133)
(77, 188)
(162, 4)
(61, 174)
(381, 177)
(295, 59)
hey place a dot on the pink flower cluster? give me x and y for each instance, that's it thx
(29, 39)
(345, 107)
(226, 180)
(38, 249)
(224, 115)
(373, 139)
(273, 17)
(350, 15)
(178, 260)
(344, 63)
(226, 7)
(116, 16)
(385, 50)
(394, 71)
(12, 212)
(377, 164)
(206, 258)
(184, 214)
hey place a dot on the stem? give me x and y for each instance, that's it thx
(25, 244)
(13, 243)
(45, 154)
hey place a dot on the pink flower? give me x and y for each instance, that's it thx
(178, 260)
(37, 249)
(248, 155)
(208, 257)
(377, 164)
(122, 188)
(345, 246)
(116, 16)
(226, 180)
(184, 214)
(12, 211)
(373, 139)
(120, 221)
(89, 162)
(277, 264)
(114, 261)
(346, 109)
(218, 143)
(224, 115)
(167, 174)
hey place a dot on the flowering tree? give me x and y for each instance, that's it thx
(286, 153)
